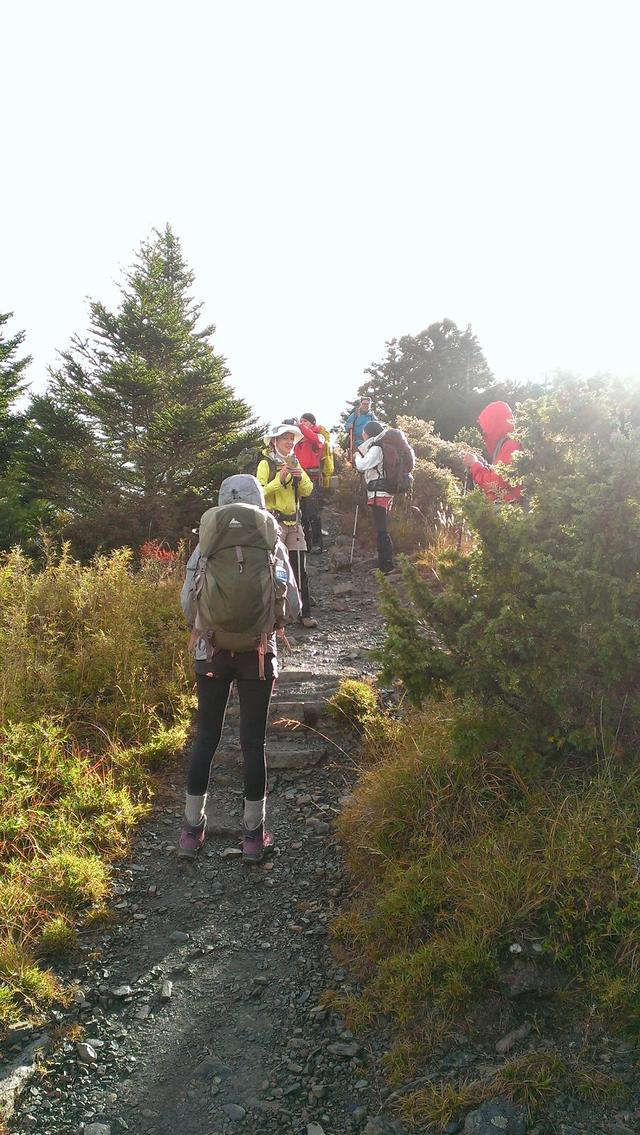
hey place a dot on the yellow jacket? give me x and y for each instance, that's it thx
(280, 498)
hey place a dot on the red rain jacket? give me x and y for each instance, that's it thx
(496, 422)
(309, 450)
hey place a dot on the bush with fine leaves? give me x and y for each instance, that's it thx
(542, 620)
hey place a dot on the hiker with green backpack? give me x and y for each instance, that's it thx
(238, 592)
(285, 484)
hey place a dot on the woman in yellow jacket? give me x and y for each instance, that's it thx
(285, 483)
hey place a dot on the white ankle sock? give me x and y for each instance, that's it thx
(254, 813)
(194, 809)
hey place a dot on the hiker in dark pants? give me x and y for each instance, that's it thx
(309, 452)
(254, 672)
(369, 460)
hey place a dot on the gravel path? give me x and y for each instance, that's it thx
(201, 1009)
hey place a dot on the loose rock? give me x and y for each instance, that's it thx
(494, 1116)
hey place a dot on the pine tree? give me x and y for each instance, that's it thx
(21, 510)
(12, 385)
(163, 424)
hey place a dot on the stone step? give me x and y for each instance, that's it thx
(283, 713)
(281, 754)
(311, 684)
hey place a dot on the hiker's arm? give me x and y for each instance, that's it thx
(270, 487)
(305, 484)
(293, 602)
(311, 435)
(371, 458)
(187, 597)
(350, 421)
(490, 481)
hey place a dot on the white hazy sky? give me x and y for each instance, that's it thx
(339, 173)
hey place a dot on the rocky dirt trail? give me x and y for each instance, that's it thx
(200, 1010)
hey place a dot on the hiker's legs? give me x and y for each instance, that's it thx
(316, 518)
(294, 539)
(307, 518)
(213, 695)
(385, 544)
(299, 565)
(255, 696)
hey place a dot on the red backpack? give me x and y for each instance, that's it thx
(398, 462)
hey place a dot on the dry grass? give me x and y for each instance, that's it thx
(93, 695)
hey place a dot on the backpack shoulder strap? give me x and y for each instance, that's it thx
(273, 465)
(498, 446)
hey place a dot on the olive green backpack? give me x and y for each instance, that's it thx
(238, 595)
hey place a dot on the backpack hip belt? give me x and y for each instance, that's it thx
(285, 517)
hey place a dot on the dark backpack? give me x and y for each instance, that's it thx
(398, 461)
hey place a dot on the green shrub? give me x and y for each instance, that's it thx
(413, 521)
(456, 856)
(541, 621)
(354, 703)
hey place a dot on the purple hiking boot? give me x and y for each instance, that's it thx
(191, 839)
(255, 844)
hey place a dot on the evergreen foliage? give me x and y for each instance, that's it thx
(542, 620)
(439, 375)
(140, 418)
(21, 509)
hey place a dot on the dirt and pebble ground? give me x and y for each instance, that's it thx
(201, 1010)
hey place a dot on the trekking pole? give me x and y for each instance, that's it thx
(353, 542)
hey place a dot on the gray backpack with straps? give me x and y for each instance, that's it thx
(238, 594)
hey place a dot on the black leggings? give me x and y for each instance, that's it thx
(385, 544)
(298, 561)
(312, 518)
(213, 695)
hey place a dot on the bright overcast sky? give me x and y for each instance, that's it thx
(340, 173)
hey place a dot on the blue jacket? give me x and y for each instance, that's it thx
(358, 422)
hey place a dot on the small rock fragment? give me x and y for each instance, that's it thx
(86, 1053)
(507, 1042)
(166, 990)
(494, 1116)
(234, 1111)
(346, 1051)
(122, 991)
(231, 853)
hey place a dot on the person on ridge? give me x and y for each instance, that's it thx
(355, 423)
(369, 460)
(254, 672)
(496, 423)
(285, 483)
(309, 452)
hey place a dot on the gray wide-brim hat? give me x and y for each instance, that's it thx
(242, 488)
(284, 428)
